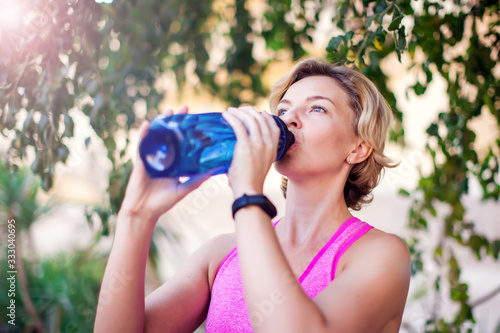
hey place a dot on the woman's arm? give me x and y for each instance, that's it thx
(181, 304)
(121, 300)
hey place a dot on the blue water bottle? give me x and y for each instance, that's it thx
(193, 144)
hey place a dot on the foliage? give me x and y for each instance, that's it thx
(79, 54)
(59, 292)
(368, 39)
(18, 196)
(38, 81)
(64, 291)
(107, 59)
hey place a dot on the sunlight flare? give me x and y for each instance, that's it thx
(11, 14)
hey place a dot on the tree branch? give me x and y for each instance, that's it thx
(486, 297)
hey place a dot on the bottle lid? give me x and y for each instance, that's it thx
(158, 149)
(286, 138)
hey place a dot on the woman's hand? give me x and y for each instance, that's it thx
(257, 137)
(150, 198)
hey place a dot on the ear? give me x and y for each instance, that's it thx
(360, 153)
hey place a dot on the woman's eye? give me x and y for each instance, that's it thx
(318, 109)
(281, 112)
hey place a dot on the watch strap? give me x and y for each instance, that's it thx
(255, 200)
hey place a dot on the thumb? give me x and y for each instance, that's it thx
(143, 130)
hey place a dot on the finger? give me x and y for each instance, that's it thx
(249, 117)
(273, 126)
(168, 112)
(269, 136)
(143, 130)
(183, 110)
(238, 127)
(268, 128)
(266, 125)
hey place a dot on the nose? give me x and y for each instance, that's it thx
(292, 118)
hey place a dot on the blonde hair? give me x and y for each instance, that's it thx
(371, 121)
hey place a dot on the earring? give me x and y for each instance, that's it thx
(349, 160)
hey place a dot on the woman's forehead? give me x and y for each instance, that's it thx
(316, 86)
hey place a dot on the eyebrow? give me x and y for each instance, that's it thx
(310, 98)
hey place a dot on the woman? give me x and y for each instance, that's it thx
(318, 268)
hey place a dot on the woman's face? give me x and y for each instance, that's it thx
(316, 110)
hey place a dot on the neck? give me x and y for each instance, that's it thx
(314, 207)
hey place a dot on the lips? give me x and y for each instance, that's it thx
(295, 144)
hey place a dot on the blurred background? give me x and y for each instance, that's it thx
(77, 77)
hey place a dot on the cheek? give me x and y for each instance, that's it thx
(324, 149)
(337, 142)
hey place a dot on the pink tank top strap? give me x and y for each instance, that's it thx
(354, 237)
(321, 270)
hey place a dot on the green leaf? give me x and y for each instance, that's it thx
(110, 143)
(334, 43)
(401, 38)
(419, 89)
(63, 153)
(404, 192)
(395, 24)
(369, 21)
(476, 243)
(454, 273)
(69, 127)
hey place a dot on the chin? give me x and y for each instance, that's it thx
(284, 166)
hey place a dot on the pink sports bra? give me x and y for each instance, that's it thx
(228, 312)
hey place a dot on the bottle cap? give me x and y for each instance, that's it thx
(286, 138)
(158, 149)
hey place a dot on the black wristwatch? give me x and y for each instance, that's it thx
(257, 200)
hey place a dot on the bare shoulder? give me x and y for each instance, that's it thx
(215, 250)
(380, 257)
(372, 280)
(378, 243)
(221, 242)
(379, 251)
